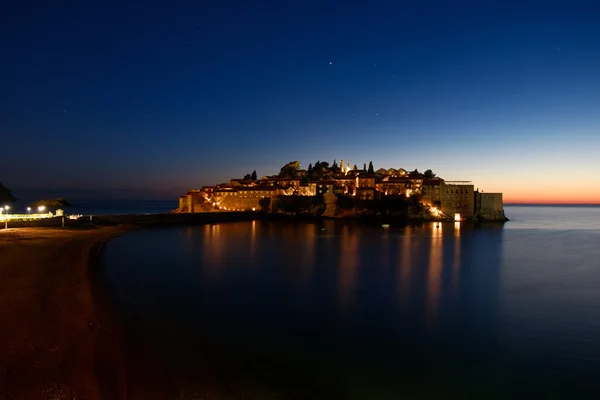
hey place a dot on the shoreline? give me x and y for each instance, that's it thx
(59, 337)
(143, 379)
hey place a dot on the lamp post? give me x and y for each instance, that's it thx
(6, 208)
(28, 210)
(41, 209)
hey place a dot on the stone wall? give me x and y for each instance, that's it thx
(239, 203)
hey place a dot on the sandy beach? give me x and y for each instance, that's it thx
(57, 337)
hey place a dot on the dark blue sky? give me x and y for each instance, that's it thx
(158, 97)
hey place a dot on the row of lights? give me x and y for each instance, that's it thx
(40, 208)
(6, 208)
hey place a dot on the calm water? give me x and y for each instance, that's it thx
(280, 310)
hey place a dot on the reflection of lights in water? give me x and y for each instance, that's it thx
(436, 229)
(434, 274)
(349, 260)
(405, 266)
(456, 263)
(213, 247)
(253, 239)
(309, 251)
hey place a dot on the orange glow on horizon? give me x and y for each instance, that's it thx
(558, 187)
(552, 200)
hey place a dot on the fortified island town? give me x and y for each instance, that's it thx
(338, 190)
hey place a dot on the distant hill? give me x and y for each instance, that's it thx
(6, 195)
(53, 203)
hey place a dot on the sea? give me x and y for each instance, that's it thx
(339, 310)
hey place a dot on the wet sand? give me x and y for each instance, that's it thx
(58, 339)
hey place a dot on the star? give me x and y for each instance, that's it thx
(330, 62)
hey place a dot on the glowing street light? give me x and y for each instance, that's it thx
(28, 210)
(6, 208)
(41, 208)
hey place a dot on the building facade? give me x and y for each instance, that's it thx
(458, 197)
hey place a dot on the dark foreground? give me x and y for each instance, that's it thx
(57, 336)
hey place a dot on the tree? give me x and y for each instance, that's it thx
(309, 171)
(355, 168)
(364, 166)
(371, 170)
(335, 167)
(428, 174)
(6, 195)
(247, 177)
(253, 176)
(289, 170)
(264, 203)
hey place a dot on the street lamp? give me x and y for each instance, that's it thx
(6, 217)
(41, 208)
(28, 210)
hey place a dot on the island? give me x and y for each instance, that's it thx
(339, 191)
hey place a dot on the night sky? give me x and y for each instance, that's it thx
(150, 99)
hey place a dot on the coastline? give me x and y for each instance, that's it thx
(58, 335)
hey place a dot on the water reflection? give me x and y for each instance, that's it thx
(434, 272)
(308, 232)
(456, 263)
(348, 266)
(405, 266)
(212, 249)
(253, 239)
(272, 317)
